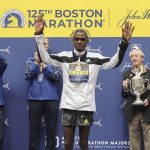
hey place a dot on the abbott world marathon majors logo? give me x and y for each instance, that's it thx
(13, 19)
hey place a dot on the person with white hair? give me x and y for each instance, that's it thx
(138, 116)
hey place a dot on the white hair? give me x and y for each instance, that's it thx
(136, 50)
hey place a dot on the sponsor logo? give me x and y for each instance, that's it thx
(134, 15)
(6, 50)
(6, 86)
(123, 104)
(98, 50)
(13, 19)
(135, 46)
(27, 107)
(98, 86)
(7, 122)
(98, 123)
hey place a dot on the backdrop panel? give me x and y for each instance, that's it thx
(110, 128)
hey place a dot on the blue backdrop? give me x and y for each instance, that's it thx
(110, 128)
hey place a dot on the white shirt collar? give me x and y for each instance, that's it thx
(79, 53)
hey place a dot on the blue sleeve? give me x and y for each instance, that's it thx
(3, 65)
(31, 69)
(52, 72)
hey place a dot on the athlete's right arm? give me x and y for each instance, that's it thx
(39, 37)
(44, 55)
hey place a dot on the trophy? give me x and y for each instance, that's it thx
(137, 87)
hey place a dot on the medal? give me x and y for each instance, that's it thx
(78, 65)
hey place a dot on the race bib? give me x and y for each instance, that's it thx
(78, 72)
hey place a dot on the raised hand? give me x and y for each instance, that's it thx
(39, 24)
(127, 31)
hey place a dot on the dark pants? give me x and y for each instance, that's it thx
(1, 126)
(36, 109)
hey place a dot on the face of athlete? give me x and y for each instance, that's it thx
(80, 40)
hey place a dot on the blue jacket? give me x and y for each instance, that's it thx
(3, 66)
(46, 89)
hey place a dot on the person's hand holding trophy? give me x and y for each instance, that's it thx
(137, 86)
